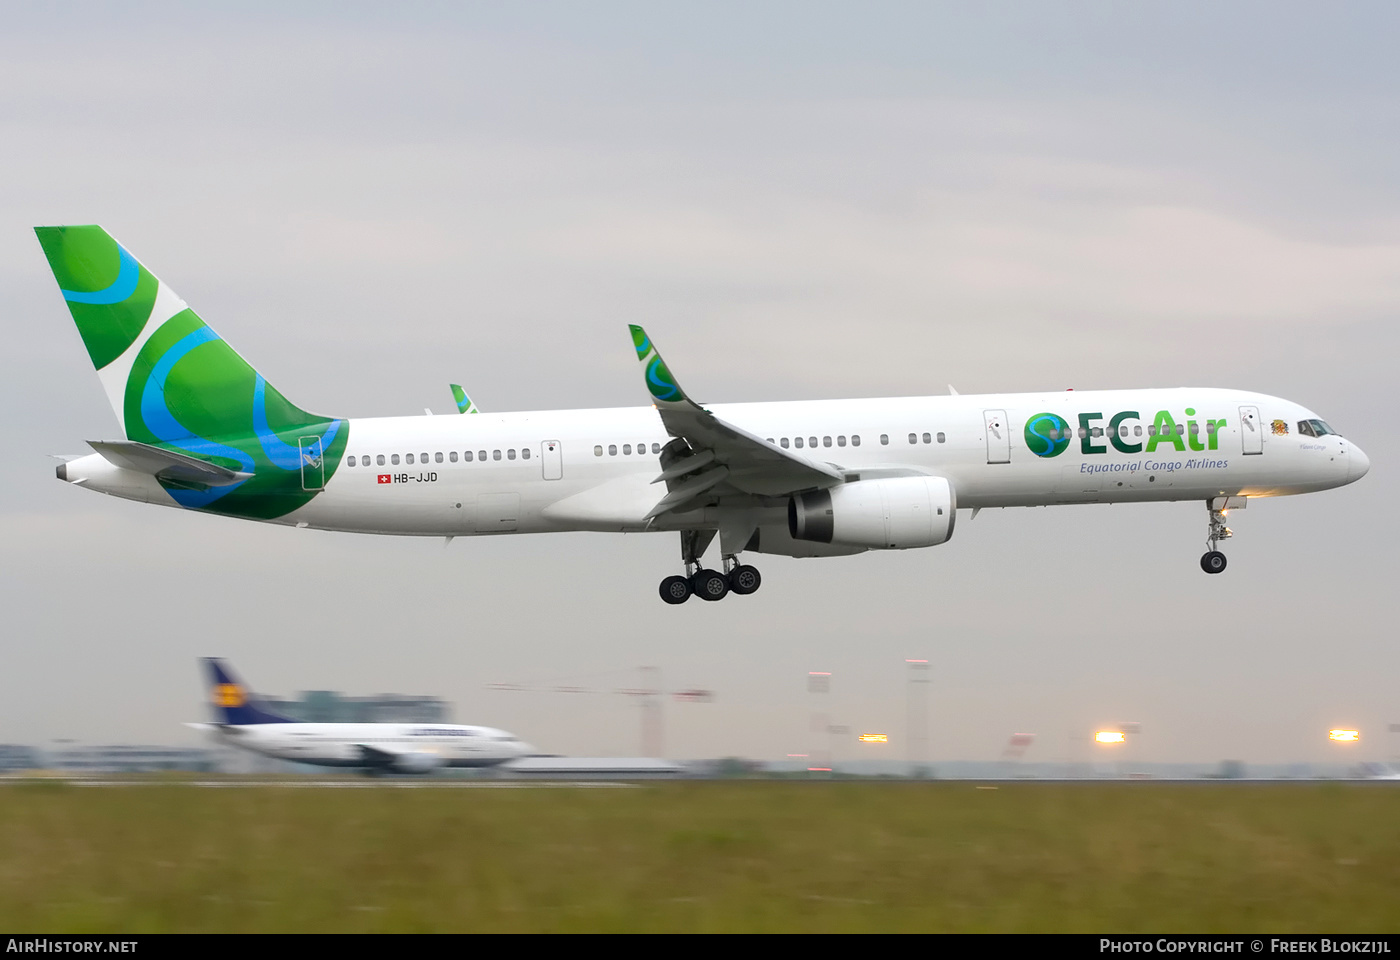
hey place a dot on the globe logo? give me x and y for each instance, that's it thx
(1047, 434)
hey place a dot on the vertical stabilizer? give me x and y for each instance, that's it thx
(233, 703)
(175, 383)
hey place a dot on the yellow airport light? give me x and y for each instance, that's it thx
(1109, 736)
(873, 738)
(1344, 736)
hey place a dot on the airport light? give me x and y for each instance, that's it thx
(1344, 736)
(1110, 736)
(873, 738)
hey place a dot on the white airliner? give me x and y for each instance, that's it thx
(203, 430)
(246, 722)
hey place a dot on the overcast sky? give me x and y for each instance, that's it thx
(799, 201)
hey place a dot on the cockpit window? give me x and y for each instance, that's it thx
(1316, 428)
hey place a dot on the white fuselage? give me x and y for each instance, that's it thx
(543, 471)
(417, 746)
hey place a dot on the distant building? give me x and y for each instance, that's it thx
(123, 758)
(16, 757)
(330, 706)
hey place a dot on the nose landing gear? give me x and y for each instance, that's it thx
(1214, 561)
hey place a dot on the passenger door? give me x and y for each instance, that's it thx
(1251, 430)
(552, 459)
(998, 436)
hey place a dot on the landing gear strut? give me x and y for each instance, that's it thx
(736, 577)
(1214, 561)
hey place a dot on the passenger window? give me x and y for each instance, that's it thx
(379, 459)
(423, 458)
(437, 457)
(394, 459)
(627, 449)
(524, 453)
(913, 438)
(811, 441)
(1137, 430)
(510, 454)
(884, 439)
(1096, 431)
(656, 448)
(1083, 432)
(349, 461)
(612, 449)
(940, 438)
(408, 458)
(467, 457)
(495, 454)
(1210, 426)
(927, 438)
(641, 449)
(826, 441)
(855, 440)
(1152, 430)
(841, 441)
(598, 450)
(452, 455)
(783, 443)
(1180, 429)
(1194, 429)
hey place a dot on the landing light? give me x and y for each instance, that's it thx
(1345, 736)
(1109, 736)
(873, 738)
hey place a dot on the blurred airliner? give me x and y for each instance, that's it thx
(203, 430)
(243, 720)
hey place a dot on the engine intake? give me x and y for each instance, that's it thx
(894, 514)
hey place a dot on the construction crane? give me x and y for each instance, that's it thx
(648, 695)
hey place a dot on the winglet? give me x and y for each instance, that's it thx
(663, 386)
(464, 402)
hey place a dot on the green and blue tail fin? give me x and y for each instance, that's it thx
(175, 384)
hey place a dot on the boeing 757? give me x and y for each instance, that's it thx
(245, 721)
(202, 430)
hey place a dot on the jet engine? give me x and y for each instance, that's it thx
(416, 763)
(890, 514)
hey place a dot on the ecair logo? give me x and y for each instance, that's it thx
(1049, 434)
(228, 695)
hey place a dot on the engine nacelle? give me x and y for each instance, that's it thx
(417, 763)
(893, 514)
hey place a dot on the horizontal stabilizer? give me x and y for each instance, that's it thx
(165, 464)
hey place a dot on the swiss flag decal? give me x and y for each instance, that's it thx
(386, 478)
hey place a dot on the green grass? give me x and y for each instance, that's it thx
(722, 856)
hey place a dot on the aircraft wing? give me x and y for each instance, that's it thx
(728, 454)
(165, 464)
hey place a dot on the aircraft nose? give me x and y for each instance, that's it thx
(1359, 464)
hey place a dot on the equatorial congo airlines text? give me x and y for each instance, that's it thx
(1049, 435)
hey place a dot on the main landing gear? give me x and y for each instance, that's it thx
(739, 578)
(1214, 561)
